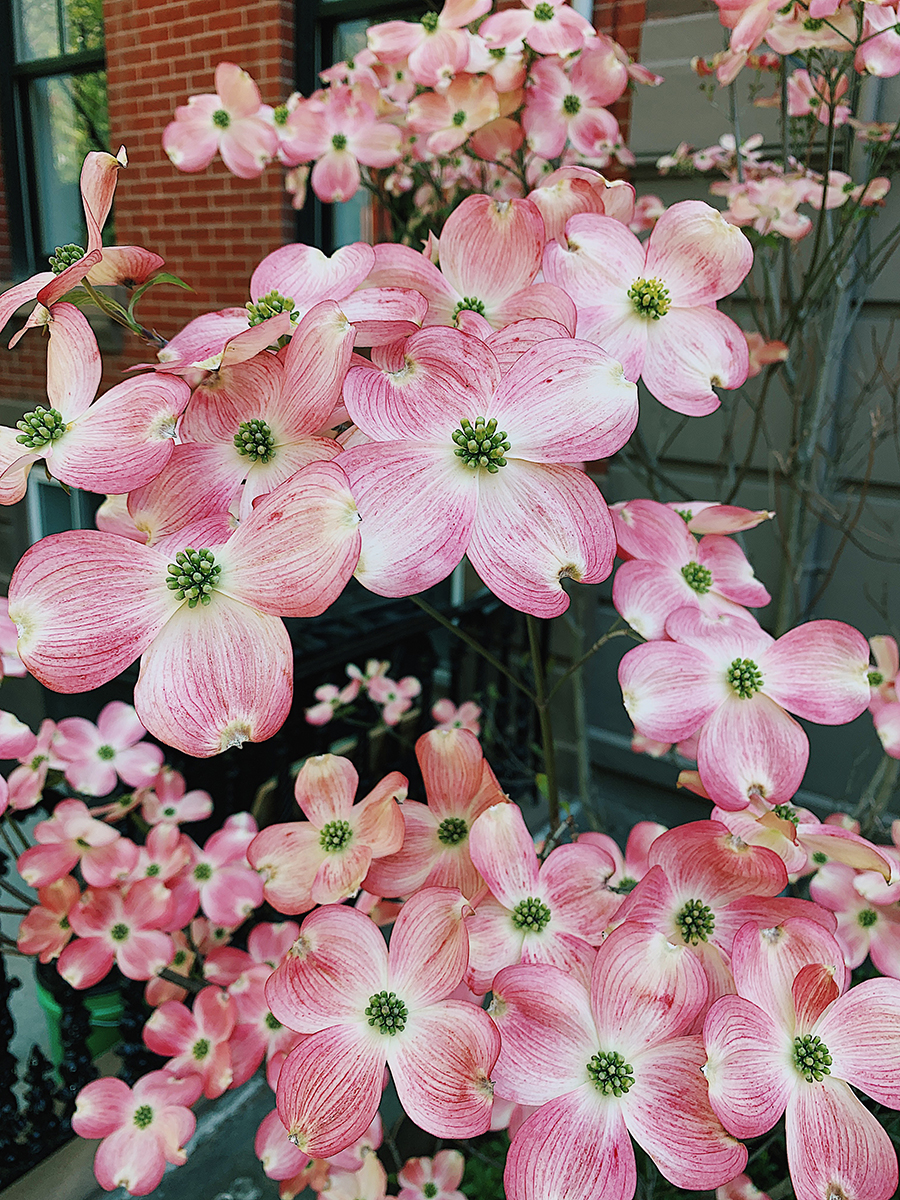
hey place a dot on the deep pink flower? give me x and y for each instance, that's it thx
(196, 1041)
(166, 801)
(435, 1178)
(324, 859)
(227, 887)
(143, 1128)
(365, 1008)
(474, 453)
(448, 716)
(26, 782)
(71, 837)
(395, 696)
(120, 927)
(606, 1064)
(92, 756)
(652, 305)
(547, 28)
(46, 930)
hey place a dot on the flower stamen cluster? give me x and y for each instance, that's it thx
(270, 305)
(255, 440)
(697, 577)
(745, 677)
(696, 921)
(335, 835)
(193, 575)
(610, 1073)
(531, 915)
(650, 298)
(452, 831)
(811, 1058)
(64, 256)
(41, 426)
(481, 444)
(387, 1013)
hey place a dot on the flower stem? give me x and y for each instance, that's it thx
(190, 985)
(579, 663)
(875, 798)
(542, 704)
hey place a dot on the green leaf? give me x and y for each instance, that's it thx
(160, 277)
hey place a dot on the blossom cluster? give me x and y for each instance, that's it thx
(435, 109)
(671, 995)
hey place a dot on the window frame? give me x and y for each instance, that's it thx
(16, 134)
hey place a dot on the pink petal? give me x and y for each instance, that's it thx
(73, 362)
(325, 787)
(732, 573)
(308, 276)
(601, 258)
(315, 364)
(128, 265)
(547, 1033)
(72, 635)
(537, 524)
(382, 315)
(503, 851)
(688, 351)
(668, 1113)
(835, 1145)
(490, 250)
(574, 1148)
(749, 1070)
(132, 1161)
(429, 946)
(860, 1030)
(409, 546)
(699, 255)
(819, 671)
(494, 942)
(119, 725)
(751, 747)
(215, 677)
(340, 874)
(573, 882)
(85, 962)
(329, 1089)
(441, 1066)
(237, 91)
(401, 266)
(669, 690)
(287, 857)
(101, 1107)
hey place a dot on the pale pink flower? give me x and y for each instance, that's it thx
(790, 1043)
(367, 1183)
(447, 119)
(459, 786)
(71, 837)
(741, 1187)
(93, 756)
(817, 97)
(220, 877)
(571, 108)
(763, 353)
(150, 605)
(324, 859)
(166, 800)
(574, 189)
(26, 782)
(551, 912)
(196, 1040)
(435, 1178)
(363, 1007)
(396, 697)
(158, 990)
(634, 864)
(231, 121)
(865, 927)
(436, 47)
(143, 1128)
(121, 927)
(257, 1033)
(17, 740)
(475, 453)
(734, 680)
(46, 929)
(879, 50)
(267, 945)
(605, 1065)
(330, 699)
(652, 305)
(448, 716)
(547, 28)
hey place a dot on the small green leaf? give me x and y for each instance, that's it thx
(160, 277)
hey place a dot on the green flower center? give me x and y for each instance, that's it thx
(180, 958)
(200, 1049)
(610, 1073)
(498, 52)
(143, 1116)
(786, 812)
(272, 1022)
(820, 858)
(470, 304)
(429, 1189)
(41, 426)
(697, 577)
(481, 444)
(193, 575)
(119, 932)
(106, 753)
(571, 105)
(811, 1058)
(280, 114)
(153, 869)
(34, 764)
(624, 886)
(544, 12)
(696, 922)
(64, 923)
(339, 141)
(202, 872)
(169, 812)
(335, 836)
(531, 915)
(650, 298)
(270, 305)
(255, 440)
(387, 1013)
(685, 515)
(876, 679)
(64, 256)
(221, 119)
(452, 831)
(867, 918)
(459, 118)
(745, 677)
(813, 24)
(430, 22)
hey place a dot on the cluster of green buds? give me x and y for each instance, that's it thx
(193, 575)
(481, 445)
(270, 305)
(64, 256)
(650, 298)
(40, 427)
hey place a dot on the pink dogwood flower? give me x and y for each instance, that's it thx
(436, 47)
(605, 1065)
(363, 1007)
(72, 837)
(571, 108)
(324, 859)
(494, 451)
(231, 121)
(166, 800)
(459, 785)
(791, 1043)
(121, 927)
(26, 782)
(396, 697)
(46, 930)
(435, 1178)
(143, 1128)
(652, 305)
(865, 928)
(448, 716)
(196, 1040)
(267, 945)
(220, 877)
(547, 28)
(93, 756)
(217, 662)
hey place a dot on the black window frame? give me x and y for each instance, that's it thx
(16, 132)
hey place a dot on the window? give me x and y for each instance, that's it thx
(54, 508)
(53, 111)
